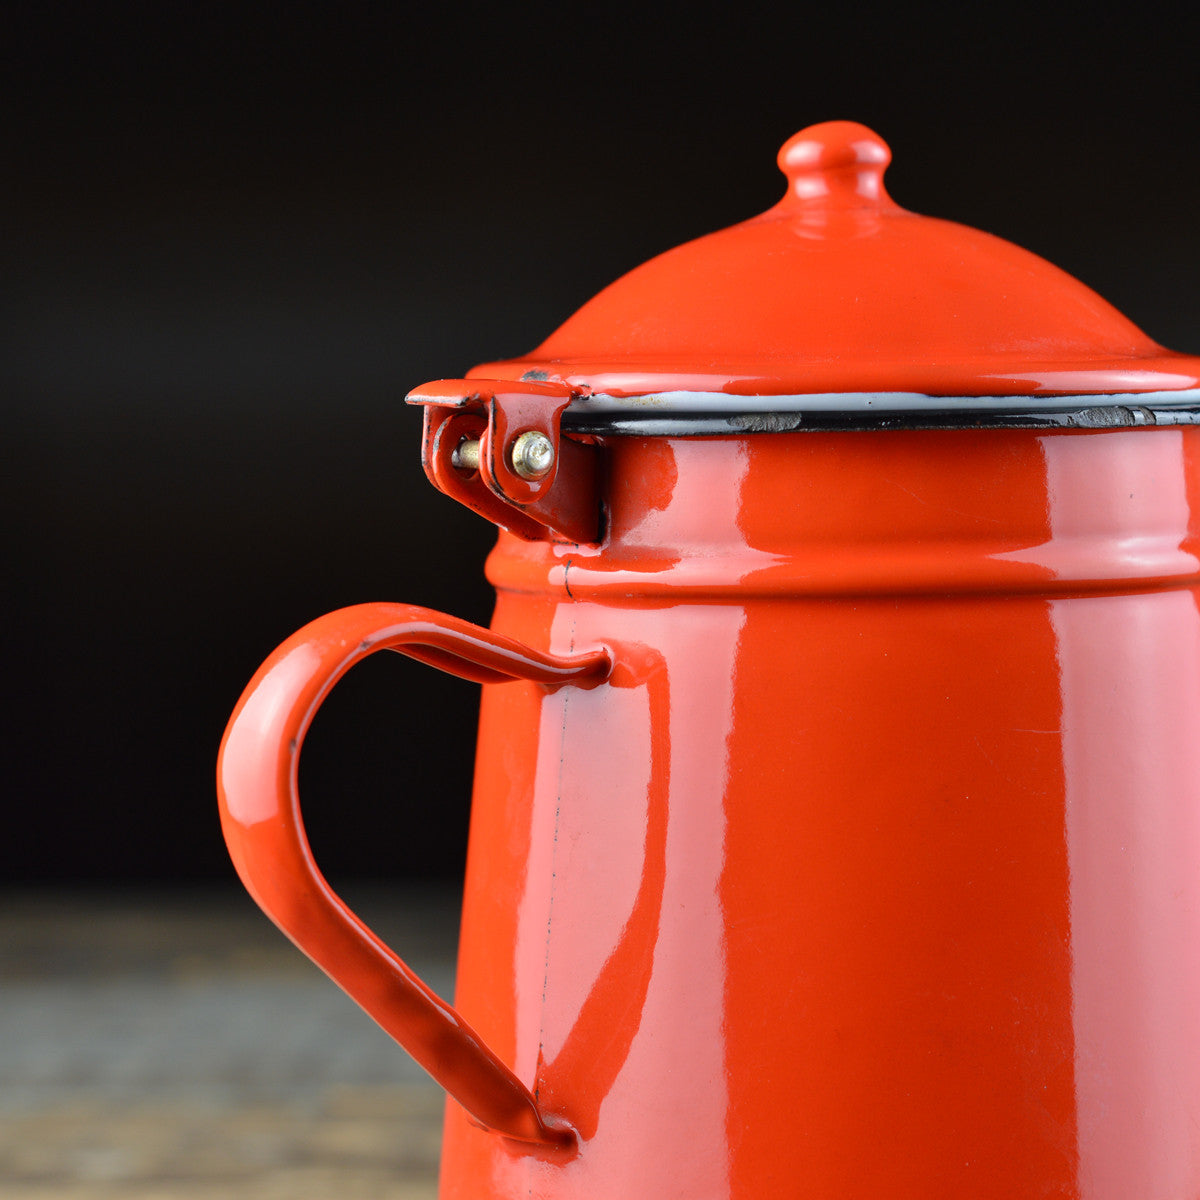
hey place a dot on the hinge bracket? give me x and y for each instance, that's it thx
(472, 427)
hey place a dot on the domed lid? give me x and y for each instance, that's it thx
(837, 291)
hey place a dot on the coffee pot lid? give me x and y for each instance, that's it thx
(837, 301)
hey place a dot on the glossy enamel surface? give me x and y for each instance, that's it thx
(836, 825)
(873, 870)
(838, 289)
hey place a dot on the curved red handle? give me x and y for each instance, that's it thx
(260, 815)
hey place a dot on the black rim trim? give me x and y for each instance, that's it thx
(699, 424)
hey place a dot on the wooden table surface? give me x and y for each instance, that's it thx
(172, 1045)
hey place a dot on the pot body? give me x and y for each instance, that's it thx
(873, 871)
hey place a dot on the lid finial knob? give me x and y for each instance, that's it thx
(838, 163)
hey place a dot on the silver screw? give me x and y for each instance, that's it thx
(532, 455)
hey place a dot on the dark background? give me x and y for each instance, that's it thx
(234, 237)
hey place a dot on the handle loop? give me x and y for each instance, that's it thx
(260, 815)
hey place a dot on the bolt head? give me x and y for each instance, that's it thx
(532, 455)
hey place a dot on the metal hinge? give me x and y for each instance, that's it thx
(496, 446)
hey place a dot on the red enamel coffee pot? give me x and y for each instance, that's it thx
(836, 826)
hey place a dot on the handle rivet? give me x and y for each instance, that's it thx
(532, 455)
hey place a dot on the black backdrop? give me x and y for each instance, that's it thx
(235, 236)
